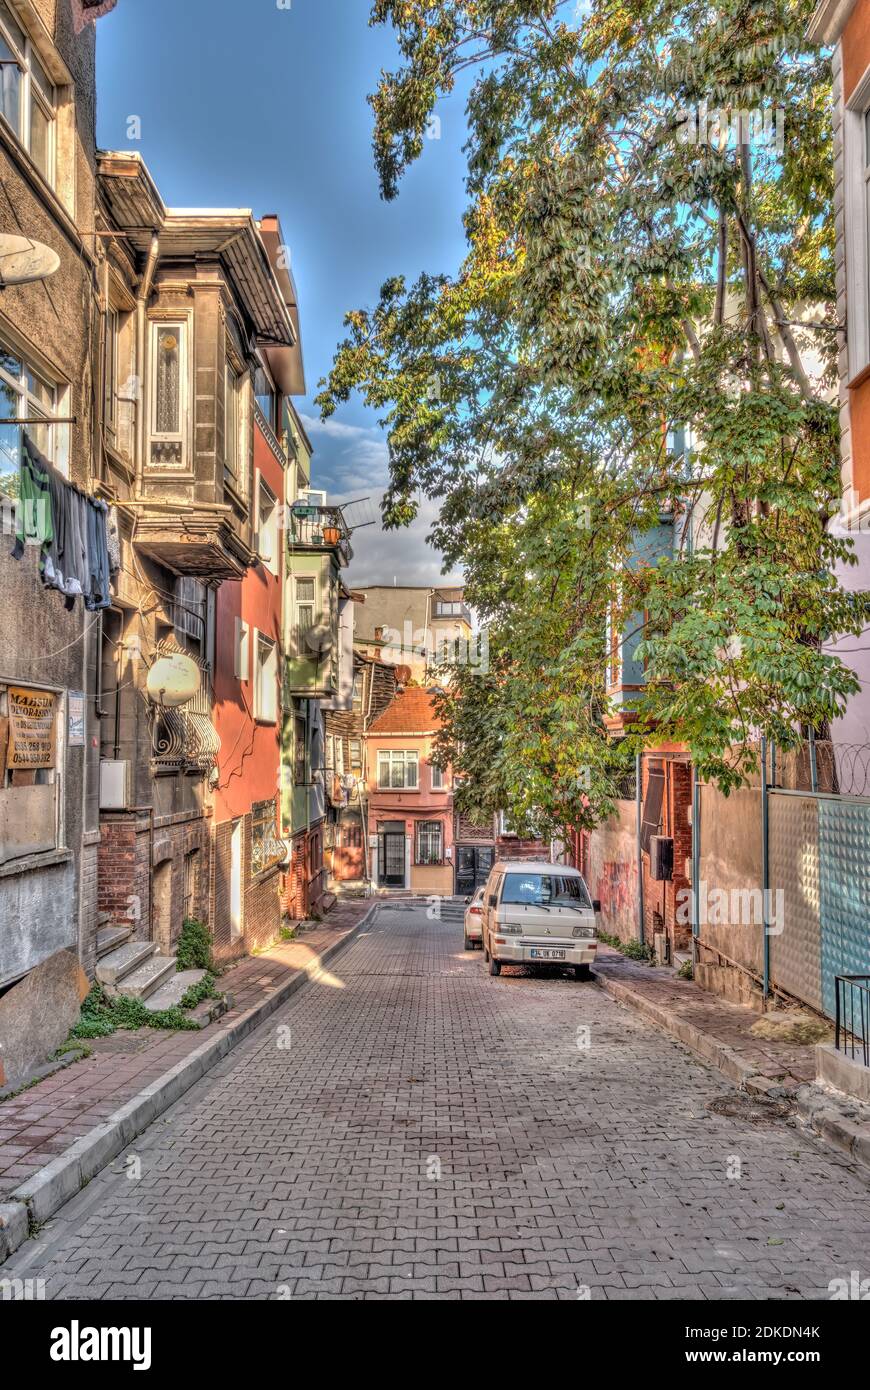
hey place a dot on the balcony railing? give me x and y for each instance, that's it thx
(319, 528)
(852, 1016)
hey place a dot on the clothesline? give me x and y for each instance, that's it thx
(71, 529)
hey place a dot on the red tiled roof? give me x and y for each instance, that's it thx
(411, 711)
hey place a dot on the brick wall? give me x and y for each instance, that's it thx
(129, 852)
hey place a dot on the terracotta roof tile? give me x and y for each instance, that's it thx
(411, 711)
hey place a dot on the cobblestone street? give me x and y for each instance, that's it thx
(410, 1127)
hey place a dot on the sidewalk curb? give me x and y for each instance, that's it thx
(815, 1106)
(723, 1057)
(31, 1204)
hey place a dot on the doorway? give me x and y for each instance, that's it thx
(391, 854)
(473, 863)
(237, 924)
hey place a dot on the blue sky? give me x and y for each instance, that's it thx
(249, 103)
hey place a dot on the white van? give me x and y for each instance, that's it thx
(535, 913)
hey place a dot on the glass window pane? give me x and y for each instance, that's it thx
(168, 383)
(11, 365)
(305, 590)
(39, 389)
(412, 770)
(398, 779)
(10, 88)
(41, 77)
(40, 139)
(11, 25)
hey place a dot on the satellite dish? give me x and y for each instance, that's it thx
(319, 638)
(172, 680)
(23, 260)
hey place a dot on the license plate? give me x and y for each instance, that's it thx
(549, 954)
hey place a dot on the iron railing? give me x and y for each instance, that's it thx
(319, 526)
(852, 1016)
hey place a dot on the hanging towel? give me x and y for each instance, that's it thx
(35, 524)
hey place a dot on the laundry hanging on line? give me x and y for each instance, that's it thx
(70, 528)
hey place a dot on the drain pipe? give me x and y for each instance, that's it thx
(639, 805)
(765, 866)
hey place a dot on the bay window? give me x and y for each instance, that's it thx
(168, 395)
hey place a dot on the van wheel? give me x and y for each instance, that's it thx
(495, 967)
(582, 972)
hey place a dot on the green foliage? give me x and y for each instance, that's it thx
(103, 1014)
(635, 950)
(193, 949)
(622, 286)
(686, 972)
(204, 990)
(287, 934)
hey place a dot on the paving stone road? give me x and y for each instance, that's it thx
(306, 1165)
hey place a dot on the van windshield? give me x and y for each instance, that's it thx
(546, 890)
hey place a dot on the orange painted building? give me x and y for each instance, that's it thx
(410, 802)
(247, 707)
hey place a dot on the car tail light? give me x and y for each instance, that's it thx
(475, 912)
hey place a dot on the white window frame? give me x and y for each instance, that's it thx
(356, 763)
(438, 839)
(241, 650)
(183, 324)
(268, 538)
(395, 758)
(30, 91)
(265, 679)
(856, 186)
(439, 778)
(298, 603)
(28, 405)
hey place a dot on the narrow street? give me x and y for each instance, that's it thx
(307, 1164)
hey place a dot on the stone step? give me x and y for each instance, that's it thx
(173, 991)
(114, 966)
(146, 979)
(110, 937)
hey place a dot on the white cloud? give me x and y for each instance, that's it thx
(352, 462)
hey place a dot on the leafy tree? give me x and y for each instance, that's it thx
(643, 330)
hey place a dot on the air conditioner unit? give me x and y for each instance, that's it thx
(661, 858)
(114, 784)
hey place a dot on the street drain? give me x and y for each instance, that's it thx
(755, 1109)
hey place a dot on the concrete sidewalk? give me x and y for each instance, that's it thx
(720, 1033)
(58, 1133)
(710, 1026)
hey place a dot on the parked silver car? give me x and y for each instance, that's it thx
(536, 913)
(474, 919)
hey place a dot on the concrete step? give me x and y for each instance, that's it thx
(110, 937)
(142, 982)
(170, 994)
(113, 967)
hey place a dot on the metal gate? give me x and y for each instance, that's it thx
(391, 856)
(473, 863)
(819, 893)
